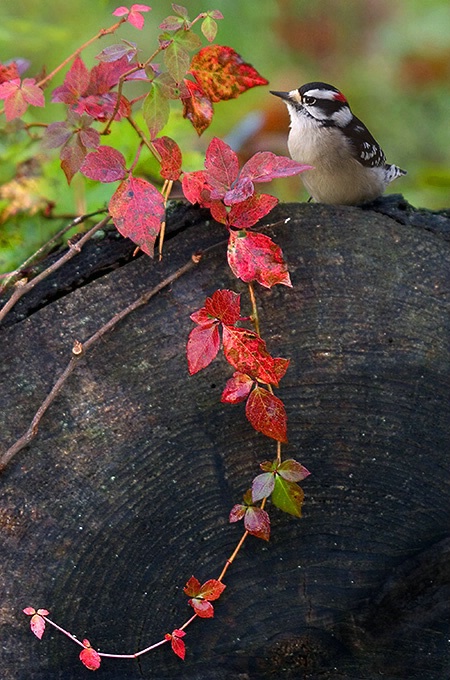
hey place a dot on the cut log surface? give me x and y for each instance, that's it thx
(125, 491)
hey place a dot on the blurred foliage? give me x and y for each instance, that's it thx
(391, 59)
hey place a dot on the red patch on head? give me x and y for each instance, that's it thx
(340, 97)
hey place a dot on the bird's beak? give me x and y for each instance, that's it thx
(283, 95)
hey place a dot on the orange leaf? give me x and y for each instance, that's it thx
(222, 73)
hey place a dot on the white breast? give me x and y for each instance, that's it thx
(337, 176)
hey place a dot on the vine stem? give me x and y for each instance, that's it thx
(255, 315)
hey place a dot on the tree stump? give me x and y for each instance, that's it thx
(126, 490)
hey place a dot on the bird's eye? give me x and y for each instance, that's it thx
(309, 100)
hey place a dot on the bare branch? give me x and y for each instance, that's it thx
(23, 287)
(80, 349)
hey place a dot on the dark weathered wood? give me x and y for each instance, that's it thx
(125, 492)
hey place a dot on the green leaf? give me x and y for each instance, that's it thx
(155, 110)
(177, 60)
(209, 28)
(288, 496)
(187, 39)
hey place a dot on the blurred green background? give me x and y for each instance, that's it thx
(390, 58)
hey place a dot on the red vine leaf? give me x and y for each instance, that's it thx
(89, 657)
(171, 158)
(265, 166)
(134, 16)
(246, 351)
(222, 73)
(267, 414)
(105, 164)
(137, 210)
(224, 305)
(201, 595)
(221, 166)
(237, 388)
(202, 346)
(255, 257)
(18, 95)
(37, 623)
(247, 213)
(9, 71)
(195, 188)
(176, 642)
(89, 91)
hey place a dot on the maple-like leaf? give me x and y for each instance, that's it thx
(89, 657)
(237, 388)
(287, 496)
(134, 16)
(105, 164)
(137, 209)
(246, 351)
(18, 95)
(171, 158)
(267, 414)
(202, 347)
(201, 595)
(176, 642)
(255, 257)
(222, 73)
(37, 623)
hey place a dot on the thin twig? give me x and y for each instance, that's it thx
(80, 349)
(23, 287)
(255, 315)
(54, 239)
